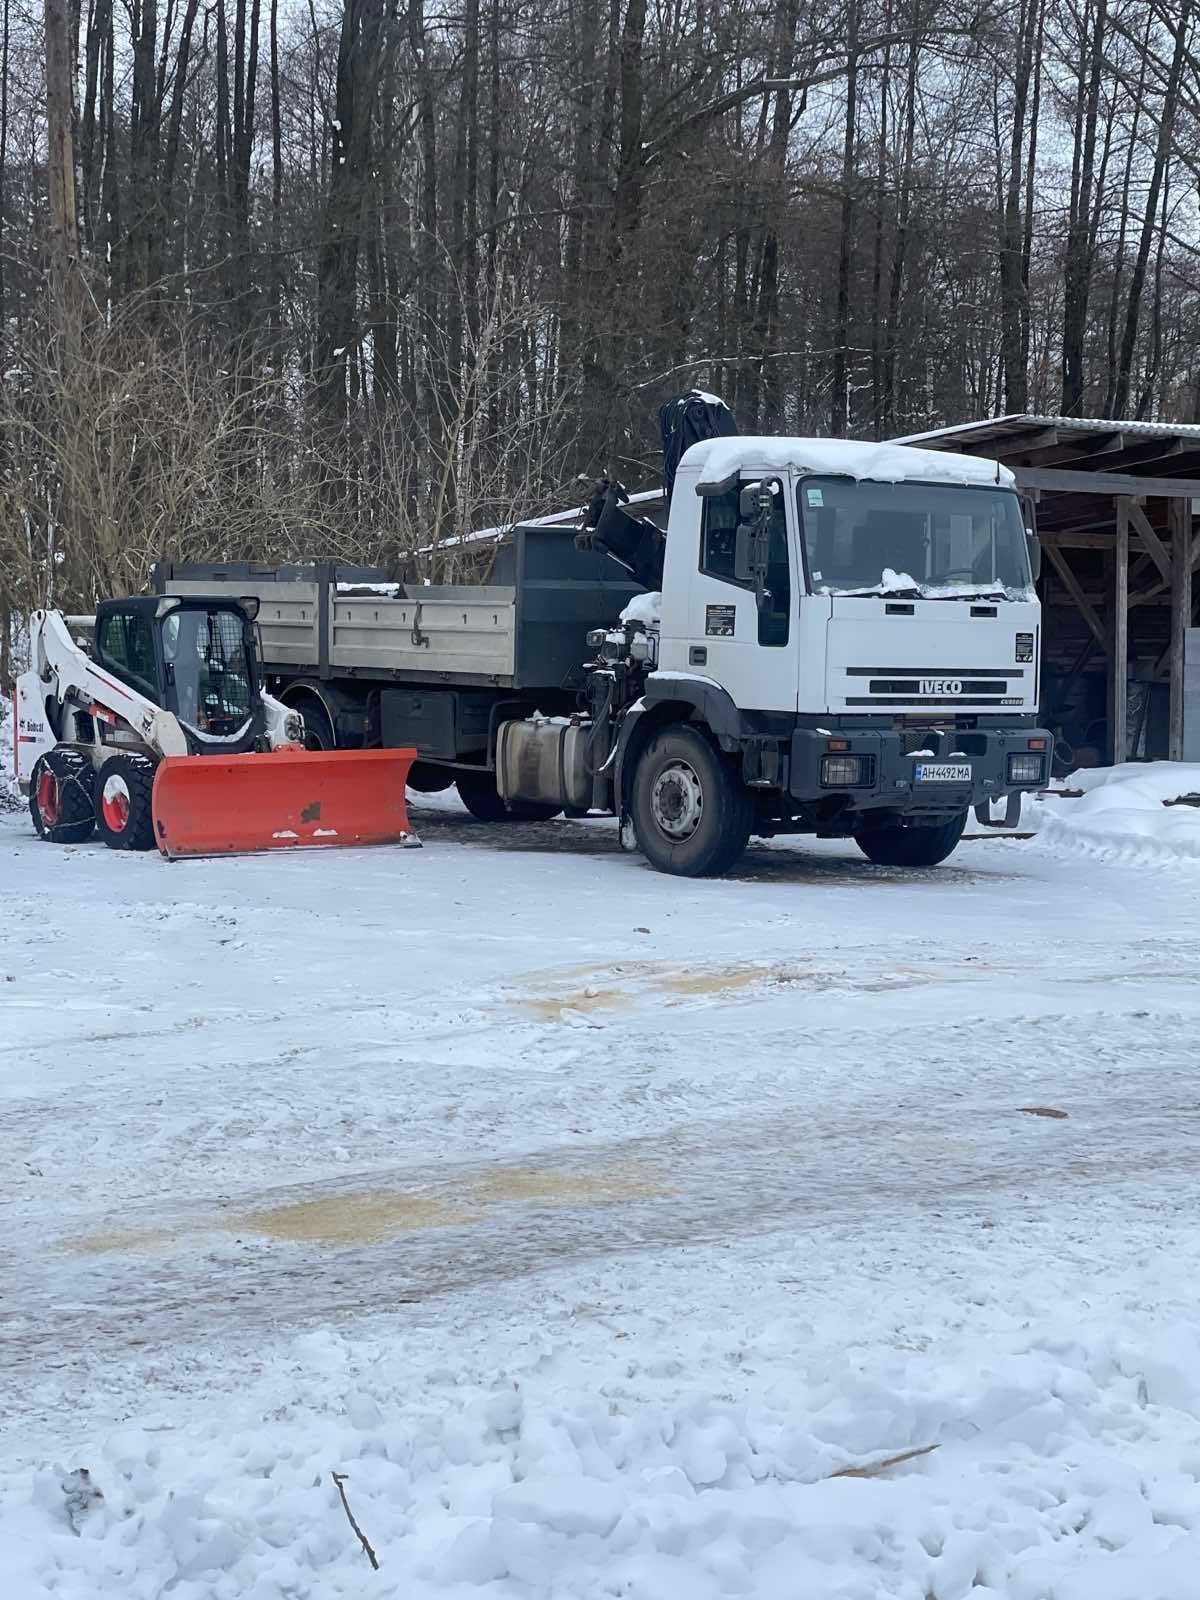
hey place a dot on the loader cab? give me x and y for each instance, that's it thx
(193, 657)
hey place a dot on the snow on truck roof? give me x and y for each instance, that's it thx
(719, 459)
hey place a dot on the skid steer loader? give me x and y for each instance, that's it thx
(159, 733)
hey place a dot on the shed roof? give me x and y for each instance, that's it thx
(1076, 465)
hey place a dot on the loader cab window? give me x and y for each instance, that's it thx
(207, 670)
(718, 537)
(125, 643)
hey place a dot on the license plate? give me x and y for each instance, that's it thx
(943, 772)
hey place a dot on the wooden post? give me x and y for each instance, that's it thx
(1180, 514)
(1119, 664)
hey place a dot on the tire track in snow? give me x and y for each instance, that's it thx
(186, 1269)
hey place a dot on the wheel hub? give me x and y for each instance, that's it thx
(48, 802)
(677, 800)
(114, 803)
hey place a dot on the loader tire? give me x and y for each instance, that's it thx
(924, 844)
(692, 813)
(124, 809)
(478, 792)
(62, 801)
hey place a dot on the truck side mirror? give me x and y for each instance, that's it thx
(748, 506)
(1035, 553)
(750, 554)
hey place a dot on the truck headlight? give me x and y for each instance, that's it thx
(845, 772)
(293, 727)
(1025, 769)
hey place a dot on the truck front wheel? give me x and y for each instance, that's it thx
(920, 844)
(691, 811)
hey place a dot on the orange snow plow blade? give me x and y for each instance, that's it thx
(284, 800)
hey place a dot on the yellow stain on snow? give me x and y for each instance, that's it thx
(369, 1216)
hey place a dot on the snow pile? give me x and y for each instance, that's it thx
(645, 609)
(1059, 1468)
(10, 797)
(1122, 812)
(719, 459)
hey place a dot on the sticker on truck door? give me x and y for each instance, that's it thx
(720, 621)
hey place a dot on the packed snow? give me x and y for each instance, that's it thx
(719, 459)
(828, 1230)
(893, 582)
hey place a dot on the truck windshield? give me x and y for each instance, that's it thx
(206, 661)
(929, 541)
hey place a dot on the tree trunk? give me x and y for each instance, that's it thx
(839, 410)
(1162, 152)
(1077, 265)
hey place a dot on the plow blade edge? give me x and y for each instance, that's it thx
(288, 799)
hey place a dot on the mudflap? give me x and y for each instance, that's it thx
(284, 800)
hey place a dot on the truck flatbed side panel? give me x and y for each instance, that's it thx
(441, 630)
(288, 616)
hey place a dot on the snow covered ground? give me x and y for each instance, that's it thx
(610, 1233)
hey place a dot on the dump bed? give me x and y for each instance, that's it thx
(331, 622)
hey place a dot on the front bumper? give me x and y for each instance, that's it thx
(891, 778)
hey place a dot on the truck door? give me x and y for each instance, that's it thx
(751, 652)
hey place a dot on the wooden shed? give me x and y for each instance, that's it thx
(1116, 506)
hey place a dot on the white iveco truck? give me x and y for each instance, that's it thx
(844, 641)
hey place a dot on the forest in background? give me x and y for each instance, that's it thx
(346, 280)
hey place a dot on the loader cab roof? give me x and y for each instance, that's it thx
(155, 606)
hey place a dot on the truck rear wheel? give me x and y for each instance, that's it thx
(921, 844)
(478, 792)
(318, 729)
(425, 778)
(691, 811)
(62, 801)
(124, 790)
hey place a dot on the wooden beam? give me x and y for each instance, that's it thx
(1012, 443)
(1083, 447)
(1084, 539)
(1119, 661)
(1158, 550)
(1181, 617)
(1102, 483)
(1059, 562)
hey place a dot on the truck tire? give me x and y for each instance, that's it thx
(124, 787)
(62, 797)
(922, 844)
(691, 811)
(424, 778)
(318, 729)
(478, 792)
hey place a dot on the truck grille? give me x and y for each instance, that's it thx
(936, 686)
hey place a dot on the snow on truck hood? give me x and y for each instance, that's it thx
(719, 459)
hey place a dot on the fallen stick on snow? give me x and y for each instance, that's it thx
(874, 1468)
(339, 1478)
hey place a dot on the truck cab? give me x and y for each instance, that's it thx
(865, 645)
